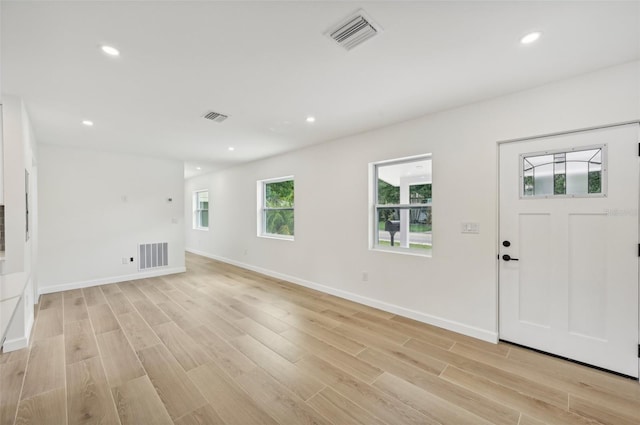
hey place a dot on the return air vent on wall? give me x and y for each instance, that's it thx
(153, 255)
(354, 30)
(215, 116)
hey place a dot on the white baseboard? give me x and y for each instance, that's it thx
(19, 343)
(440, 322)
(15, 344)
(104, 281)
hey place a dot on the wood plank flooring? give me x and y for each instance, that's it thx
(220, 345)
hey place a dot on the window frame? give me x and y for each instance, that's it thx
(196, 211)
(263, 209)
(374, 244)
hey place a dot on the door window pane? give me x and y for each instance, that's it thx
(560, 176)
(577, 177)
(594, 179)
(573, 173)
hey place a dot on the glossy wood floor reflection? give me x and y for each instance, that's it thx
(221, 345)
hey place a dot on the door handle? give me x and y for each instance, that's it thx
(507, 257)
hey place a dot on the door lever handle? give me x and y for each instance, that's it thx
(507, 257)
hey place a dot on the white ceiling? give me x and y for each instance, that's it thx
(268, 65)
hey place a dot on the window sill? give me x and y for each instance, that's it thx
(280, 237)
(403, 251)
(203, 229)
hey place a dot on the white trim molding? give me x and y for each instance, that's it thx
(19, 343)
(113, 279)
(451, 325)
(15, 344)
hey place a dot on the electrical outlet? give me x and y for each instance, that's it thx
(365, 276)
(131, 259)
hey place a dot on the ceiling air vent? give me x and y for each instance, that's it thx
(214, 116)
(354, 30)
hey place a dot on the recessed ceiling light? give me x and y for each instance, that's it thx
(111, 51)
(198, 168)
(530, 38)
(87, 123)
(231, 148)
(311, 119)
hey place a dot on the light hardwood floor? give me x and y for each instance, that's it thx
(221, 345)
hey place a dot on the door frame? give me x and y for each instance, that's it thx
(499, 143)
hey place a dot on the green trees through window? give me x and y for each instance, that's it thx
(278, 207)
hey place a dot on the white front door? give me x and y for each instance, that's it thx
(569, 246)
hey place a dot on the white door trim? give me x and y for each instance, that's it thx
(567, 132)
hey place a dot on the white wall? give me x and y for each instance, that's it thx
(457, 288)
(96, 207)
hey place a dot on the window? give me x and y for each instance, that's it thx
(402, 218)
(578, 172)
(201, 210)
(276, 207)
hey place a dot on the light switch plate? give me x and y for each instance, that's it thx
(470, 227)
